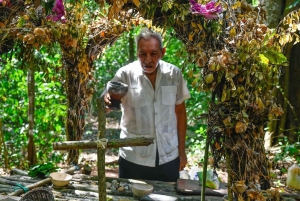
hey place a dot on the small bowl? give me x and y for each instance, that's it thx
(60, 178)
(141, 190)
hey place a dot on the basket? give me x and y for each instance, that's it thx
(38, 194)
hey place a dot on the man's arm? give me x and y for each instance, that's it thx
(181, 130)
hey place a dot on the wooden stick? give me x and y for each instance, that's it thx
(92, 188)
(38, 184)
(13, 183)
(19, 172)
(21, 179)
(5, 186)
(101, 150)
(5, 190)
(113, 143)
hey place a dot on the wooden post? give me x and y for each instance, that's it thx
(204, 171)
(2, 143)
(101, 151)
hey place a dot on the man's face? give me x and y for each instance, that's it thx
(149, 53)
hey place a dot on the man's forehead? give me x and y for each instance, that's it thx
(149, 40)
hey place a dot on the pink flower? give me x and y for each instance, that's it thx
(210, 10)
(58, 11)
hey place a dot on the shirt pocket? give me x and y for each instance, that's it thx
(136, 97)
(169, 95)
(169, 142)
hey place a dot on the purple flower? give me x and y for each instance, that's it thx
(58, 12)
(210, 10)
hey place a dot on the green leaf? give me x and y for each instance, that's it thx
(268, 37)
(264, 59)
(275, 57)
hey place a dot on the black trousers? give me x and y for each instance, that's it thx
(168, 172)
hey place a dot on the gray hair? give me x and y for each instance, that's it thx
(147, 34)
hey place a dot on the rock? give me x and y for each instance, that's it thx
(108, 185)
(121, 188)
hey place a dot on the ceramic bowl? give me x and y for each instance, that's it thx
(117, 89)
(60, 178)
(141, 190)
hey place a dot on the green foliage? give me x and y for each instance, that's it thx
(42, 170)
(293, 5)
(288, 152)
(195, 140)
(50, 106)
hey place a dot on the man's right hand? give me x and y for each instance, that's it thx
(107, 102)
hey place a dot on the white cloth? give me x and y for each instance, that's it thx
(151, 113)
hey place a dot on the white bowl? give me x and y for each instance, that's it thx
(141, 190)
(60, 178)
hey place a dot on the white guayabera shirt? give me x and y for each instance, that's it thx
(151, 113)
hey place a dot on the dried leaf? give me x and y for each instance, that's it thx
(136, 2)
(191, 36)
(227, 121)
(240, 127)
(209, 78)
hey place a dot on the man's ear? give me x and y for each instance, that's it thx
(163, 51)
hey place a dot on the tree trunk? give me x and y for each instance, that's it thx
(289, 93)
(76, 106)
(292, 113)
(31, 103)
(274, 9)
(131, 46)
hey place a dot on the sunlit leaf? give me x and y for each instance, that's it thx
(232, 32)
(191, 36)
(263, 59)
(136, 2)
(275, 57)
(224, 94)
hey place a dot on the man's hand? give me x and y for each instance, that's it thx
(107, 101)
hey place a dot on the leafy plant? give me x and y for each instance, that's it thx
(288, 152)
(42, 170)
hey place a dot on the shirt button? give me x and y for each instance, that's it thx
(155, 113)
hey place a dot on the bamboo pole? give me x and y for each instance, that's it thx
(101, 150)
(113, 143)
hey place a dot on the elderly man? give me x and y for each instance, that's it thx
(153, 107)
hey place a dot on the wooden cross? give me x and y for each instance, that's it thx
(88, 144)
